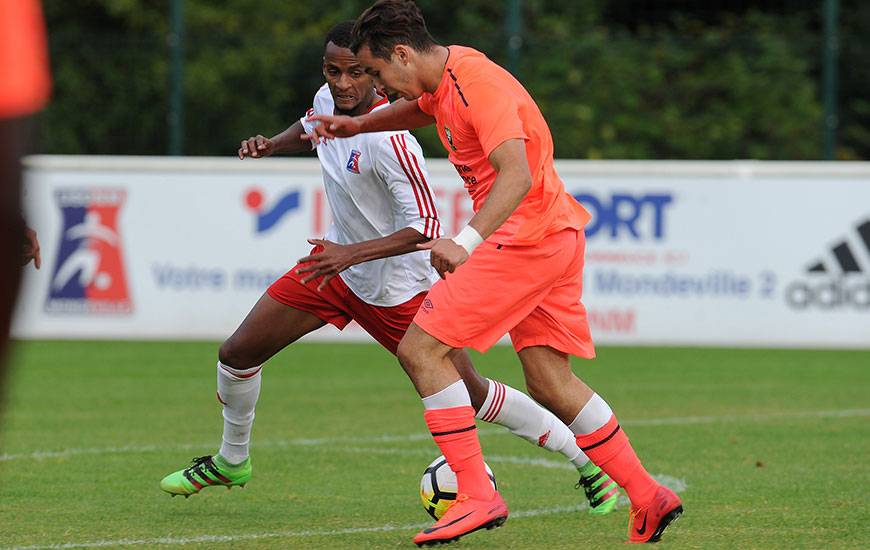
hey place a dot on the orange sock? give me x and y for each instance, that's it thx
(608, 447)
(455, 433)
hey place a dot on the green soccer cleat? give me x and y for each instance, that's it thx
(601, 491)
(206, 471)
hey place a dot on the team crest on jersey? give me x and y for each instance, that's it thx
(449, 135)
(89, 274)
(353, 161)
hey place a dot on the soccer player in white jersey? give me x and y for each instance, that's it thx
(367, 269)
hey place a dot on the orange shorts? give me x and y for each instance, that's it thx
(532, 292)
(337, 305)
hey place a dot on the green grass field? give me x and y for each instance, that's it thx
(770, 449)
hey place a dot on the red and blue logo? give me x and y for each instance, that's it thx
(267, 218)
(353, 161)
(89, 275)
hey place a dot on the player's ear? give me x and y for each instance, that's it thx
(402, 53)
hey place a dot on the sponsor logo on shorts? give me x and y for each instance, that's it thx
(840, 279)
(427, 305)
(267, 218)
(89, 275)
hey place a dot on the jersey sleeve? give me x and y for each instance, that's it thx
(493, 112)
(401, 166)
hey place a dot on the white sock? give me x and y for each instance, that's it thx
(517, 412)
(594, 414)
(454, 395)
(238, 390)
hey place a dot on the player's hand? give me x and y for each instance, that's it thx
(331, 127)
(257, 147)
(445, 255)
(31, 249)
(332, 260)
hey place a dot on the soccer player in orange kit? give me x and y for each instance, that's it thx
(516, 268)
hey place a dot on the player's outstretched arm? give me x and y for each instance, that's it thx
(400, 115)
(335, 258)
(288, 141)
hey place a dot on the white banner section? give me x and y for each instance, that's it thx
(679, 253)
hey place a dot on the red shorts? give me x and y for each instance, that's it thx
(532, 292)
(337, 305)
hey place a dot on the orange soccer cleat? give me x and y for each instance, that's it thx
(647, 524)
(466, 515)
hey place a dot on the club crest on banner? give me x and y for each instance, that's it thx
(89, 275)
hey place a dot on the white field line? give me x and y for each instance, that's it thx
(670, 421)
(677, 484)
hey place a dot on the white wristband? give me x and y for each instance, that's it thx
(468, 238)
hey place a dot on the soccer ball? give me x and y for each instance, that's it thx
(438, 486)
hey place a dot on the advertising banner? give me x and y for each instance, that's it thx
(678, 253)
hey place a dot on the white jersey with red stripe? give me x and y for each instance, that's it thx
(377, 184)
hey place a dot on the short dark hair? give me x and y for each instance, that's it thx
(388, 23)
(340, 34)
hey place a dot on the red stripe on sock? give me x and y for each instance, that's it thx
(496, 393)
(501, 398)
(240, 374)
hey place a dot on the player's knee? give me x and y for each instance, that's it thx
(233, 355)
(540, 390)
(407, 355)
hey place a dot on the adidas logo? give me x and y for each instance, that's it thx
(838, 281)
(844, 255)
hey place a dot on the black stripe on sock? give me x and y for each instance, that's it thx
(603, 441)
(459, 431)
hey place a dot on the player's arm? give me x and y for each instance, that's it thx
(335, 258)
(399, 164)
(510, 187)
(288, 141)
(400, 115)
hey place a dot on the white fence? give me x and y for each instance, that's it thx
(687, 253)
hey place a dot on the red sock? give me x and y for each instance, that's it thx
(608, 447)
(455, 433)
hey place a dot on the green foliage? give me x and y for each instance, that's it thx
(742, 86)
(693, 92)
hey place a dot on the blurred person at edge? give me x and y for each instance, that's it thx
(24, 90)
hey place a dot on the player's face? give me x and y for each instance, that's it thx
(352, 89)
(396, 75)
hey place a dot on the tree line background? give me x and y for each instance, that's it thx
(620, 79)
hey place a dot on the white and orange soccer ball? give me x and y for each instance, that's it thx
(438, 486)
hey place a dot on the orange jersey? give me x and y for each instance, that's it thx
(477, 107)
(24, 79)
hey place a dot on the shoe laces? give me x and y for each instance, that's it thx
(197, 463)
(460, 498)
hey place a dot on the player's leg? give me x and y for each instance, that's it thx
(501, 404)
(267, 329)
(552, 383)
(450, 418)
(557, 327)
(288, 311)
